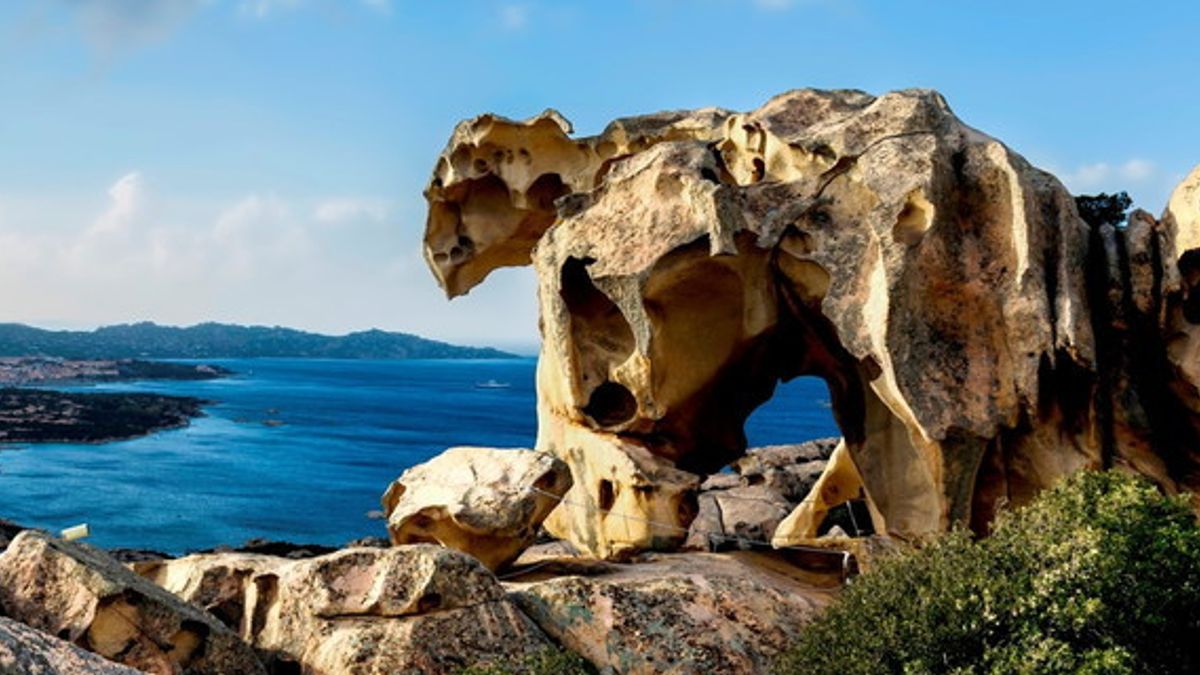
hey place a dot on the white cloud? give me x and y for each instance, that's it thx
(342, 210)
(774, 4)
(1111, 177)
(332, 264)
(1137, 169)
(112, 26)
(514, 16)
(382, 6)
(260, 9)
(127, 199)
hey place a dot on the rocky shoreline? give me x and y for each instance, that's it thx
(46, 416)
(30, 412)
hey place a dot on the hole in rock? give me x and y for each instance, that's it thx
(267, 588)
(607, 495)
(852, 517)
(542, 193)
(429, 602)
(611, 404)
(1189, 269)
(283, 665)
(760, 170)
(600, 337)
(914, 220)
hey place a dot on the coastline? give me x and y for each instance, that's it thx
(35, 416)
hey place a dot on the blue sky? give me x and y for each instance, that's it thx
(261, 161)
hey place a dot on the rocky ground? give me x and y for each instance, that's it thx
(376, 607)
(405, 609)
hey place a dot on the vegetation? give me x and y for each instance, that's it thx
(42, 415)
(549, 661)
(1104, 209)
(1099, 575)
(214, 340)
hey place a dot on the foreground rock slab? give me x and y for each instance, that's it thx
(678, 613)
(84, 596)
(406, 609)
(25, 651)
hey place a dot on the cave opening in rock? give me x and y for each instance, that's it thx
(799, 412)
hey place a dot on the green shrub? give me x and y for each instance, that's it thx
(549, 661)
(1098, 575)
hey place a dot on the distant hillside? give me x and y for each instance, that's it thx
(215, 340)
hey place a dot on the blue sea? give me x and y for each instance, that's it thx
(301, 450)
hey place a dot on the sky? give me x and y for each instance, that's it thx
(262, 161)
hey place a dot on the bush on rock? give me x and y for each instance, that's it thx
(1098, 575)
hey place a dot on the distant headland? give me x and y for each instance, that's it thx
(215, 340)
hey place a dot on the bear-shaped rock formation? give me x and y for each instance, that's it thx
(978, 337)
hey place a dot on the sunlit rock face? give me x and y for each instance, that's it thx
(940, 285)
(486, 502)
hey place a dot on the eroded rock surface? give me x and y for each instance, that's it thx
(404, 609)
(486, 502)
(82, 595)
(677, 613)
(25, 651)
(978, 338)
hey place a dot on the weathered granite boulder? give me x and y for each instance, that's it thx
(737, 517)
(25, 651)
(677, 613)
(82, 595)
(979, 339)
(404, 609)
(742, 509)
(486, 502)
(215, 582)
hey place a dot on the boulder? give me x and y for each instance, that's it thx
(485, 502)
(215, 582)
(678, 613)
(404, 609)
(25, 651)
(80, 594)
(790, 470)
(979, 339)
(742, 517)
(743, 508)
(624, 499)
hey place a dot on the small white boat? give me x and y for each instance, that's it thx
(492, 384)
